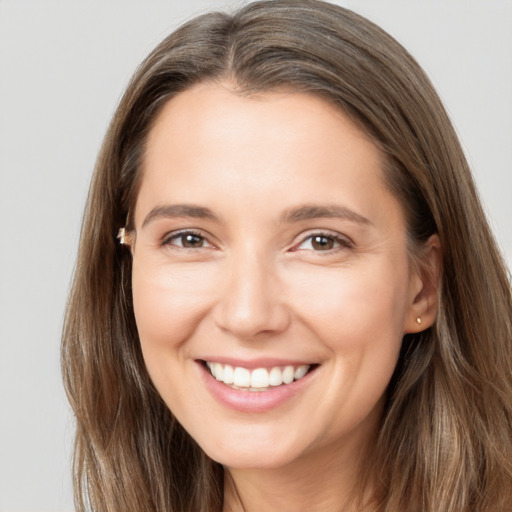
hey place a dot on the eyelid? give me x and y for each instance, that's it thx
(343, 241)
(173, 235)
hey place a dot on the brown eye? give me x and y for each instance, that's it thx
(192, 240)
(322, 243)
(187, 240)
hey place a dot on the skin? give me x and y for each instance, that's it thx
(256, 284)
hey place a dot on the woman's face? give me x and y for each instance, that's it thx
(268, 248)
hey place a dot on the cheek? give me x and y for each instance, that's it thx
(359, 318)
(168, 305)
(353, 307)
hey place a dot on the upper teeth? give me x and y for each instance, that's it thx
(259, 378)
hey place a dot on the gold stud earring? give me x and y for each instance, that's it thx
(418, 320)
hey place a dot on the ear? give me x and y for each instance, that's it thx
(424, 286)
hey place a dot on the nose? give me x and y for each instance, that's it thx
(251, 302)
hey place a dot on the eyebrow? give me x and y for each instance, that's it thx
(179, 210)
(307, 212)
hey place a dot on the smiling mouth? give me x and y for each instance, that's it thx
(257, 379)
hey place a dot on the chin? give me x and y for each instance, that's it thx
(251, 459)
(253, 450)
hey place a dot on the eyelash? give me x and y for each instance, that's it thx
(168, 239)
(339, 242)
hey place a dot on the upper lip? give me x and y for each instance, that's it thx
(260, 362)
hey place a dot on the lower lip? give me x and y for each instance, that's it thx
(253, 401)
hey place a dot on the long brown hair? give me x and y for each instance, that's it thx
(445, 443)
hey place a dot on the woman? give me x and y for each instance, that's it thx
(305, 308)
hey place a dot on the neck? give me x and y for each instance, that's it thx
(324, 482)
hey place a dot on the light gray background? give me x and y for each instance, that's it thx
(63, 67)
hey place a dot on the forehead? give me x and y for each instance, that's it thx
(280, 146)
(216, 108)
